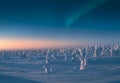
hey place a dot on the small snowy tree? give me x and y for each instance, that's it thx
(53, 57)
(46, 57)
(111, 51)
(62, 51)
(83, 59)
(46, 70)
(95, 51)
(102, 52)
(116, 47)
(28, 57)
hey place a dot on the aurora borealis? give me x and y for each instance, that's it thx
(62, 22)
(83, 10)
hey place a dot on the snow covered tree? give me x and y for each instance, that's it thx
(83, 58)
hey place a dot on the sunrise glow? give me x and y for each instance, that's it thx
(30, 43)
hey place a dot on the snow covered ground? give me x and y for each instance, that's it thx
(61, 66)
(99, 70)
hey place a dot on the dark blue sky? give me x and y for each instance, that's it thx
(83, 20)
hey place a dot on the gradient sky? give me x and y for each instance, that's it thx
(58, 22)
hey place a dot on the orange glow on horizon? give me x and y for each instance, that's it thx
(30, 43)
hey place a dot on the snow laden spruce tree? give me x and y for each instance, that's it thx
(111, 50)
(83, 57)
(103, 49)
(62, 52)
(47, 68)
(46, 61)
(83, 52)
(95, 51)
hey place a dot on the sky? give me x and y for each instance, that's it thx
(55, 23)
